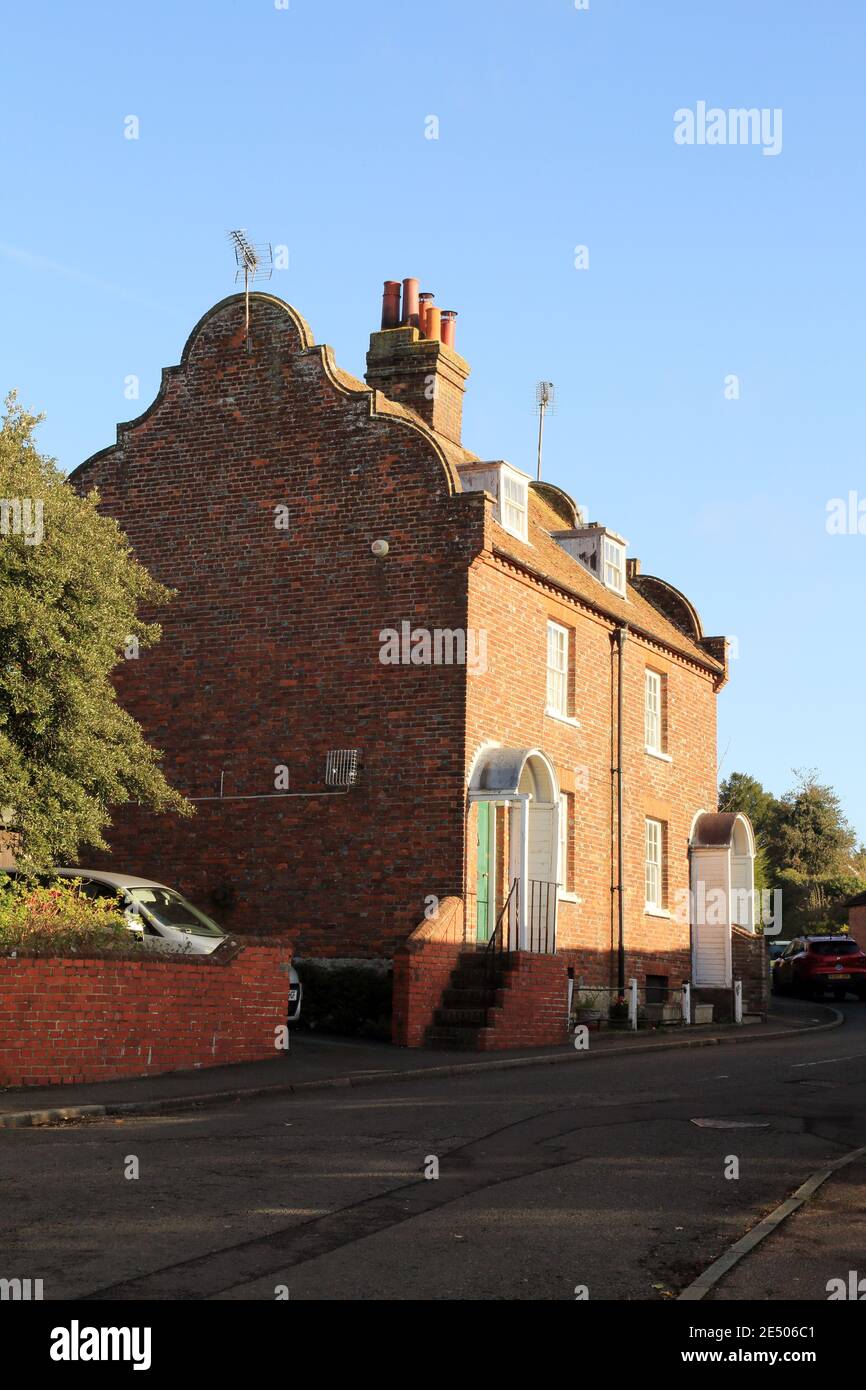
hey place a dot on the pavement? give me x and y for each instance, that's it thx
(315, 1061)
(819, 1251)
(520, 1182)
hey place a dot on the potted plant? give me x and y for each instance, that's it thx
(618, 1014)
(586, 1007)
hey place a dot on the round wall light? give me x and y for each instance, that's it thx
(380, 548)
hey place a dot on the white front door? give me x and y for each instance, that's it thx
(541, 888)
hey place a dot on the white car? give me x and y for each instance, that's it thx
(160, 916)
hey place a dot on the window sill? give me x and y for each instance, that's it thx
(562, 718)
(651, 911)
(657, 753)
(569, 898)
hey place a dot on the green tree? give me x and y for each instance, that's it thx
(805, 847)
(740, 792)
(70, 594)
(812, 836)
(743, 793)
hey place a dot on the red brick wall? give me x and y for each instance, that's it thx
(750, 964)
(857, 924)
(532, 1008)
(422, 970)
(270, 652)
(515, 612)
(66, 1021)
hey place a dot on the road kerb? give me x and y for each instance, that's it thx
(23, 1119)
(701, 1286)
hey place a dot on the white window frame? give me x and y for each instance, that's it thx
(652, 712)
(557, 673)
(513, 509)
(566, 835)
(613, 564)
(653, 865)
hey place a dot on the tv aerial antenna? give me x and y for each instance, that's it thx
(545, 403)
(254, 262)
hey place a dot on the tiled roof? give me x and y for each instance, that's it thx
(548, 558)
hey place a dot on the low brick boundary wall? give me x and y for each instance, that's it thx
(532, 1007)
(750, 961)
(857, 923)
(73, 1020)
(422, 971)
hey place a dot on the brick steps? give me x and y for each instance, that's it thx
(470, 1003)
(516, 1000)
(468, 997)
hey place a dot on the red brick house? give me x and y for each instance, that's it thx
(420, 701)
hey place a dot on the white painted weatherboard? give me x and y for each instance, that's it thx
(711, 940)
(742, 897)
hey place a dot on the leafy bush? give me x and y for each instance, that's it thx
(353, 1000)
(58, 920)
(814, 905)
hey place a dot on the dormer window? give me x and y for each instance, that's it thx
(514, 491)
(508, 486)
(614, 565)
(598, 550)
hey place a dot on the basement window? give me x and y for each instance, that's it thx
(657, 989)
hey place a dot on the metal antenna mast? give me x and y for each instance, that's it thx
(545, 400)
(253, 263)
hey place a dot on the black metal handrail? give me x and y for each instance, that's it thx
(498, 943)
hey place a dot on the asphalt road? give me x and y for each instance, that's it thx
(590, 1175)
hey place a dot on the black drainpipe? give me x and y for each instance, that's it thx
(620, 954)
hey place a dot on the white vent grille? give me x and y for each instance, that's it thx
(341, 767)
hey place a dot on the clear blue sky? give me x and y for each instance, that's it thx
(307, 127)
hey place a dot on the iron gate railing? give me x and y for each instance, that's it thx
(541, 917)
(542, 901)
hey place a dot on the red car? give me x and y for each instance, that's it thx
(813, 964)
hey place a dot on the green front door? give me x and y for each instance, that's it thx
(483, 872)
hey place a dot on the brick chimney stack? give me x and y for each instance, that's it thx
(423, 372)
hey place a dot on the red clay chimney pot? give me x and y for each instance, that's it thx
(410, 303)
(425, 301)
(391, 304)
(449, 326)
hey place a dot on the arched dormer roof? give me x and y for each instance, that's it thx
(559, 502)
(719, 830)
(670, 601)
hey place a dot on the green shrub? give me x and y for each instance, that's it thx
(59, 920)
(353, 1000)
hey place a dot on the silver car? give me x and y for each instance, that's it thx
(160, 916)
